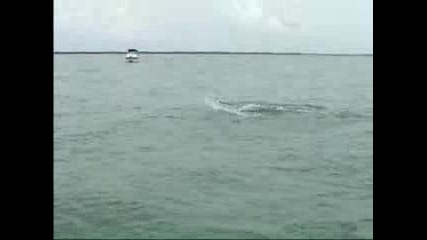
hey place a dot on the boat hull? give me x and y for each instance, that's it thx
(131, 57)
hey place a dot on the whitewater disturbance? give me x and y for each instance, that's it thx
(213, 146)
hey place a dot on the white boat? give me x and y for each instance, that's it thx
(132, 55)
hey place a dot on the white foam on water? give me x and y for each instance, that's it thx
(215, 103)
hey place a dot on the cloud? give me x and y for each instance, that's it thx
(228, 25)
(274, 15)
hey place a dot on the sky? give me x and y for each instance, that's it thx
(314, 26)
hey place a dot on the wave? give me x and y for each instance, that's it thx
(217, 104)
(346, 114)
(257, 108)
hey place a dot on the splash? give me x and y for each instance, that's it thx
(257, 108)
(219, 105)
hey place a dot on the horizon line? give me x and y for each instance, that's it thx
(214, 52)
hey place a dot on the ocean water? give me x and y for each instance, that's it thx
(213, 146)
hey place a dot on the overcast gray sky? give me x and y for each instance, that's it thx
(324, 26)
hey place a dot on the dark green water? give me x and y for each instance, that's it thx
(213, 146)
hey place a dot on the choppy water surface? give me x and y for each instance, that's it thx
(213, 146)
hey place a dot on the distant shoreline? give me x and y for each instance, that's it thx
(216, 53)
